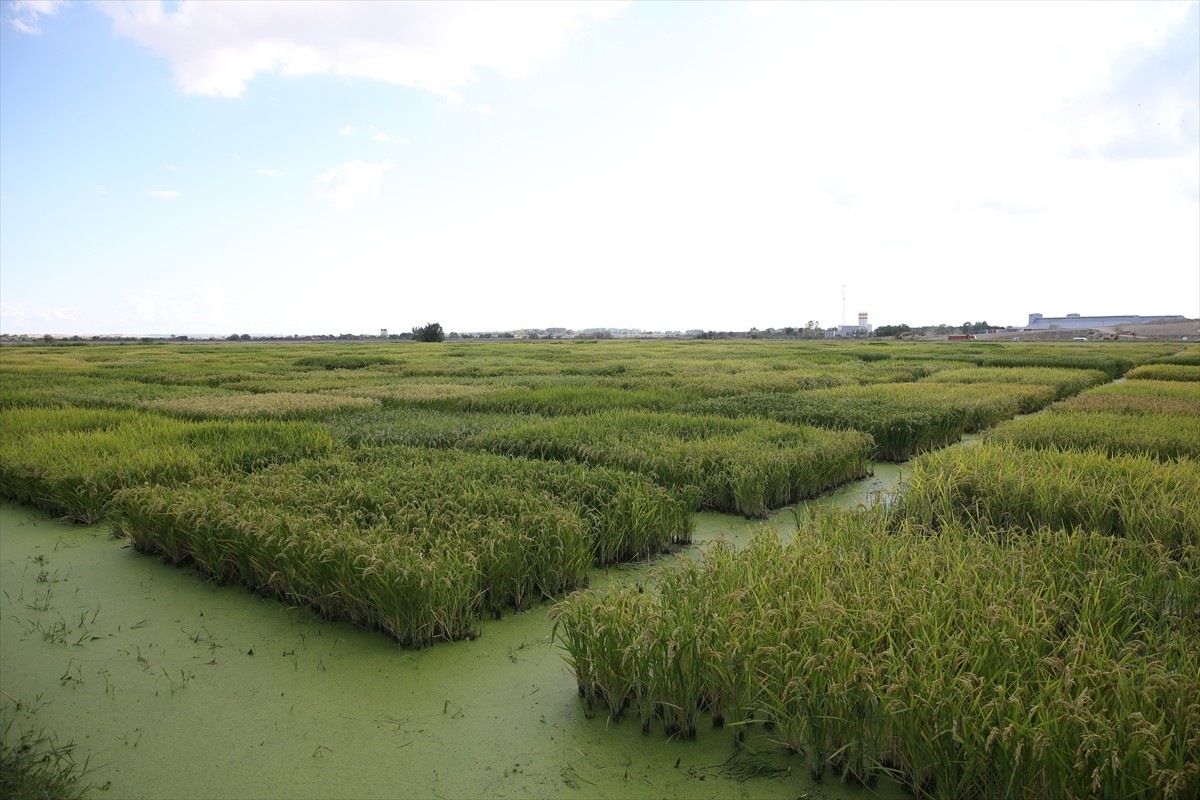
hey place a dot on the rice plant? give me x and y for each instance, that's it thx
(1155, 435)
(1008, 487)
(586, 398)
(274, 405)
(417, 543)
(1189, 355)
(1066, 381)
(903, 419)
(71, 462)
(343, 361)
(415, 426)
(744, 466)
(1054, 665)
(1166, 372)
(1113, 363)
(1178, 398)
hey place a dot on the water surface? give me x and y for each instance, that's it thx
(172, 686)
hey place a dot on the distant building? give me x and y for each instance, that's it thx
(863, 328)
(1074, 322)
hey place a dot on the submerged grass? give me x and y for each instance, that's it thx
(36, 766)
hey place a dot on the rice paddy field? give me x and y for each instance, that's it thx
(654, 522)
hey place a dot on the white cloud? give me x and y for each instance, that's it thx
(269, 173)
(216, 46)
(1149, 106)
(26, 15)
(144, 307)
(165, 194)
(17, 316)
(345, 186)
(346, 130)
(194, 307)
(386, 138)
(904, 130)
(484, 109)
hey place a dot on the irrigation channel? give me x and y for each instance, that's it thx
(171, 686)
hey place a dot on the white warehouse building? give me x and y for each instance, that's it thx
(1074, 322)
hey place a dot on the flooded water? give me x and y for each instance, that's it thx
(171, 686)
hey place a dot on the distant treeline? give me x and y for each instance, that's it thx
(811, 330)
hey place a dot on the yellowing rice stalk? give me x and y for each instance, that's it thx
(415, 543)
(71, 462)
(1023, 623)
(963, 668)
(1155, 435)
(275, 405)
(1007, 487)
(1139, 397)
(742, 466)
(1167, 372)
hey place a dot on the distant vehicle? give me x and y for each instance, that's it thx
(960, 337)
(1080, 339)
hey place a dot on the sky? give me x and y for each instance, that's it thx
(340, 167)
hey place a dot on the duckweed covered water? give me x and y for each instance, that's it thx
(171, 686)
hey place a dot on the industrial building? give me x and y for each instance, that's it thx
(1074, 322)
(863, 328)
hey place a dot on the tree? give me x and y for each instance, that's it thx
(891, 330)
(430, 332)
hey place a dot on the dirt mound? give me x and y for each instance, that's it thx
(1164, 330)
